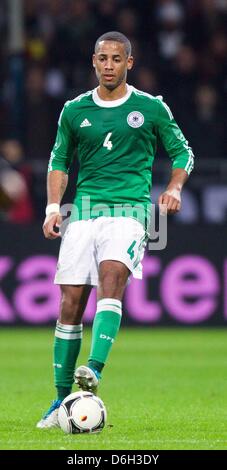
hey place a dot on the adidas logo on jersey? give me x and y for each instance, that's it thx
(85, 123)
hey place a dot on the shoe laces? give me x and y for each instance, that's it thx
(55, 404)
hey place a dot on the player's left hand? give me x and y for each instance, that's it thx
(172, 201)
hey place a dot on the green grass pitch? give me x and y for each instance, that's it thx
(163, 389)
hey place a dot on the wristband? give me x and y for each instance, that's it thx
(52, 208)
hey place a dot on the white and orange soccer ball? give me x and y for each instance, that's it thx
(82, 412)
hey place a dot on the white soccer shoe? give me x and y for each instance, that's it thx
(50, 419)
(86, 379)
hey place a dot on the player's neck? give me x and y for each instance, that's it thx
(111, 95)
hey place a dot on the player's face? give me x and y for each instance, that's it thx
(111, 64)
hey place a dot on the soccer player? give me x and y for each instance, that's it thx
(114, 129)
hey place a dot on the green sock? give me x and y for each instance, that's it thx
(104, 331)
(67, 346)
(96, 365)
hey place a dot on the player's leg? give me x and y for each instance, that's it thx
(113, 277)
(76, 274)
(120, 243)
(68, 336)
(67, 344)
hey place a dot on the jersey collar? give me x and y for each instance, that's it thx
(114, 103)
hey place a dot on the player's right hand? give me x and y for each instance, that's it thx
(51, 221)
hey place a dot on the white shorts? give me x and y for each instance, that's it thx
(86, 243)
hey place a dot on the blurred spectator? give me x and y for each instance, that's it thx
(206, 18)
(205, 129)
(127, 21)
(180, 50)
(170, 17)
(41, 112)
(146, 80)
(180, 82)
(218, 49)
(55, 83)
(15, 182)
(106, 14)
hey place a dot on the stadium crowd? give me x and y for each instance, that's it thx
(180, 50)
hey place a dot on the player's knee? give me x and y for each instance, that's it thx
(70, 309)
(111, 284)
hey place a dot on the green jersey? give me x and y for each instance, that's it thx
(116, 145)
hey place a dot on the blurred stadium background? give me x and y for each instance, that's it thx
(180, 49)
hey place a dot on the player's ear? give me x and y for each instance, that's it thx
(93, 60)
(130, 62)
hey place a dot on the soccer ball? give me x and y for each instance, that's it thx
(82, 412)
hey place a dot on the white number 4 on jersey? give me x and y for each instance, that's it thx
(107, 142)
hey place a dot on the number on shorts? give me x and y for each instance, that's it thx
(130, 251)
(107, 142)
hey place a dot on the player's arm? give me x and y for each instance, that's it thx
(56, 185)
(181, 155)
(171, 197)
(57, 178)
